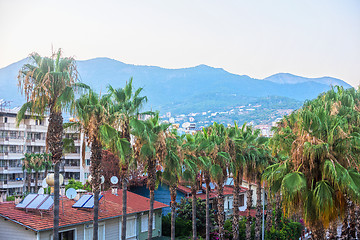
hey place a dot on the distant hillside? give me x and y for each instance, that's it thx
(199, 88)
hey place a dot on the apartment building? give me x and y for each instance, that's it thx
(29, 137)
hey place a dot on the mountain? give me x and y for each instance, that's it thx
(198, 88)
(287, 78)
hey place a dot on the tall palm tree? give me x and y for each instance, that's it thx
(127, 103)
(48, 84)
(191, 177)
(37, 162)
(322, 171)
(150, 147)
(27, 166)
(219, 168)
(92, 112)
(172, 172)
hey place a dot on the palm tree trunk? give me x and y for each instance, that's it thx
(318, 232)
(173, 210)
(54, 142)
(248, 208)
(151, 212)
(333, 230)
(56, 201)
(36, 181)
(193, 205)
(236, 193)
(269, 212)
(258, 209)
(95, 158)
(28, 176)
(221, 211)
(207, 224)
(357, 224)
(124, 206)
(352, 222)
(345, 225)
(96, 215)
(278, 212)
(151, 186)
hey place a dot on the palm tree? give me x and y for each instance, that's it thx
(219, 168)
(28, 168)
(92, 112)
(127, 104)
(172, 172)
(191, 177)
(246, 149)
(37, 162)
(48, 84)
(321, 172)
(150, 147)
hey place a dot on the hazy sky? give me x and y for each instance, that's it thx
(257, 38)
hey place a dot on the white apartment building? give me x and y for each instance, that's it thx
(29, 137)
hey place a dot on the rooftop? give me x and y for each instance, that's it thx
(110, 206)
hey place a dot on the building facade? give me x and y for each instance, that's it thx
(30, 137)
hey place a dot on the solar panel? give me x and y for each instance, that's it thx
(81, 202)
(37, 201)
(28, 199)
(90, 203)
(47, 204)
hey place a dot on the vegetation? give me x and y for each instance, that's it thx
(319, 172)
(311, 165)
(49, 85)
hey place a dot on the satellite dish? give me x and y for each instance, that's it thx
(44, 184)
(41, 191)
(102, 178)
(71, 193)
(114, 180)
(185, 125)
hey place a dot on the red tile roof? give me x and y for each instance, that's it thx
(228, 190)
(245, 213)
(110, 206)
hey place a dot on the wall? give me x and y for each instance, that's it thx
(11, 230)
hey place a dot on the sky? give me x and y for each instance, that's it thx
(255, 38)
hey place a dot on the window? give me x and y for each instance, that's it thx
(241, 200)
(89, 232)
(67, 235)
(88, 162)
(86, 175)
(5, 120)
(130, 227)
(144, 223)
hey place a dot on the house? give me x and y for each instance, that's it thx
(228, 197)
(76, 223)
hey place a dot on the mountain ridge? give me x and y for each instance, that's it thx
(166, 87)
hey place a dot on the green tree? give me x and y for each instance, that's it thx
(127, 103)
(92, 112)
(172, 172)
(27, 166)
(321, 172)
(48, 84)
(150, 149)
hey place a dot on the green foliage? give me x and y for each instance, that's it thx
(184, 217)
(182, 227)
(10, 198)
(77, 185)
